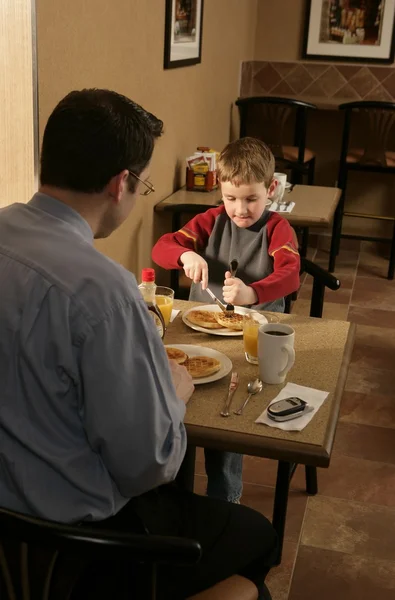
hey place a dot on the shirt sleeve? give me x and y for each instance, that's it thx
(286, 263)
(192, 237)
(132, 415)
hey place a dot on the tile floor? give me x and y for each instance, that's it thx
(341, 543)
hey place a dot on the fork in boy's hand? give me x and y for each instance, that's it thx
(234, 264)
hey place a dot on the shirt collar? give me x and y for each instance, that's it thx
(62, 211)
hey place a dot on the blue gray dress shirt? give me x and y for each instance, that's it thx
(88, 413)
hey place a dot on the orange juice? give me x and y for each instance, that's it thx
(251, 340)
(165, 305)
(250, 337)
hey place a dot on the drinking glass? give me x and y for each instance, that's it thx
(251, 326)
(164, 297)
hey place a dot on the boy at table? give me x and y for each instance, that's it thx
(268, 261)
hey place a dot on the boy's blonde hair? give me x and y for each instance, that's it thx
(244, 161)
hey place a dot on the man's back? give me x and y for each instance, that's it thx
(71, 322)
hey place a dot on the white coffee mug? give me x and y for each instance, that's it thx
(280, 189)
(276, 354)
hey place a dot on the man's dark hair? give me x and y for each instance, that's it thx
(93, 135)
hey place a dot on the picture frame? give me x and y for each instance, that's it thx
(350, 31)
(183, 33)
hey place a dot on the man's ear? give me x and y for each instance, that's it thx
(118, 185)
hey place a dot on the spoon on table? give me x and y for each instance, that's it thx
(254, 387)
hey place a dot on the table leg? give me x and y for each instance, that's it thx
(311, 480)
(186, 475)
(284, 474)
(175, 221)
(305, 242)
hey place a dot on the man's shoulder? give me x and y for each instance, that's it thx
(100, 284)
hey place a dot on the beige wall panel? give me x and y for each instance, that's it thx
(119, 45)
(17, 182)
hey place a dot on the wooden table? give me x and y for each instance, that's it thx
(314, 205)
(323, 350)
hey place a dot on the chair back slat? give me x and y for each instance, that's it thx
(374, 124)
(270, 119)
(379, 124)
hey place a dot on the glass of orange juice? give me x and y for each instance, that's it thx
(164, 297)
(251, 324)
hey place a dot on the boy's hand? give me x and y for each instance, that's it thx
(182, 381)
(195, 267)
(237, 292)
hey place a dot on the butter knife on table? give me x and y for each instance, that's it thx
(234, 384)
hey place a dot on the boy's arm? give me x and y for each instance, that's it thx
(285, 277)
(192, 237)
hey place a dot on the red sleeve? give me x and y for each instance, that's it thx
(282, 248)
(192, 237)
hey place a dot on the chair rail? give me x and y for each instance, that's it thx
(140, 547)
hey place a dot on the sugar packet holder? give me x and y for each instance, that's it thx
(201, 172)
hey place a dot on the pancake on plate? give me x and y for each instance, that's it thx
(230, 319)
(204, 318)
(175, 354)
(202, 366)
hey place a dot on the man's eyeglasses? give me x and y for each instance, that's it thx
(148, 185)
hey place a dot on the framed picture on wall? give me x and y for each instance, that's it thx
(350, 30)
(183, 33)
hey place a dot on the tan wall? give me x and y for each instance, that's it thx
(280, 30)
(119, 45)
(17, 182)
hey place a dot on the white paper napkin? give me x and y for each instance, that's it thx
(174, 313)
(282, 208)
(314, 398)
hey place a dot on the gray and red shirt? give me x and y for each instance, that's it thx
(268, 258)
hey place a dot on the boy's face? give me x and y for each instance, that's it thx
(244, 204)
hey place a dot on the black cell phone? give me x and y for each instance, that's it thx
(287, 409)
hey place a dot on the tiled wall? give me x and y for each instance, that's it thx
(329, 82)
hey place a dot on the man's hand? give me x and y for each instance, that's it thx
(195, 267)
(237, 292)
(182, 381)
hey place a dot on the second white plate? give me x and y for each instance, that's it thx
(223, 331)
(191, 350)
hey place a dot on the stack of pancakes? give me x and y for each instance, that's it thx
(216, 320)
(197, 366)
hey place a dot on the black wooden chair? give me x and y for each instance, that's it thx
(42, 560)
(321, 280)
(266, 118)
(374, 121)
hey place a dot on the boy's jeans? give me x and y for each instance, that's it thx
(225, 469)
(224, 474)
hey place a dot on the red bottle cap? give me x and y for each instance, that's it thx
(148, 275)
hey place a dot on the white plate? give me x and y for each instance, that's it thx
(224, 330)
(226, 363)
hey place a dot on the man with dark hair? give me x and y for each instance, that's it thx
(91, 410)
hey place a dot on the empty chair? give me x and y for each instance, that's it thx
(375, 120)
(266, 118)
